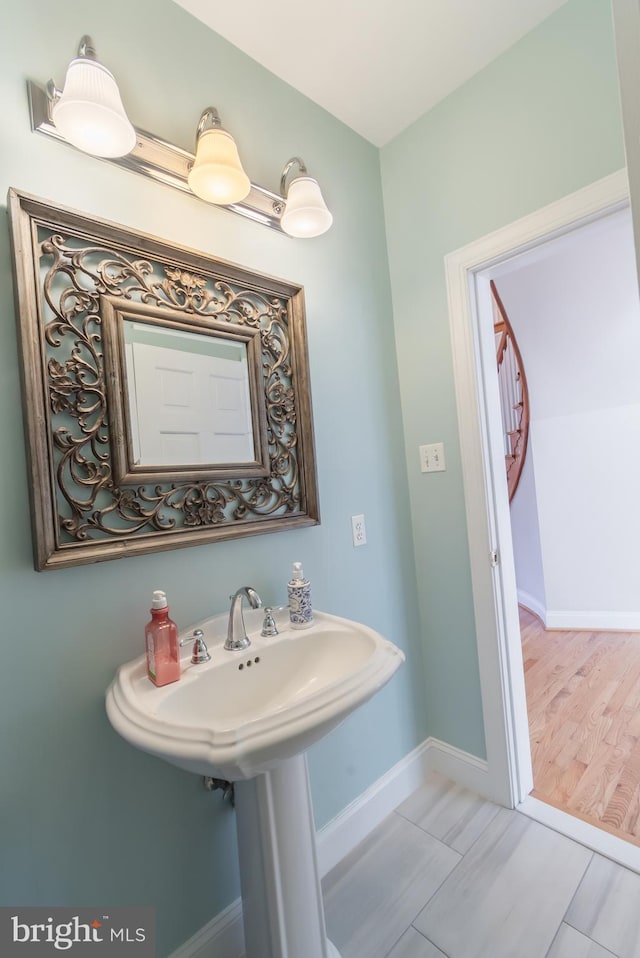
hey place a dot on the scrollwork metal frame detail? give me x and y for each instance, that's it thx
(76, 279)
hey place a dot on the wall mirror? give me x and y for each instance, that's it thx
(166, 393)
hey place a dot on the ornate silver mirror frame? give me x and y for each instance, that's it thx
(77, 280)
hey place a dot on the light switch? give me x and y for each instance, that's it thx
(432, 457)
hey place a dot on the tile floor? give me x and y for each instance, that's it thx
(449, 875)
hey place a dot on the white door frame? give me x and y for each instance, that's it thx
(486, 500)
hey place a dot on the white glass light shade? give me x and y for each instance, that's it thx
(306, 212)
(89, 113)
(217, 175)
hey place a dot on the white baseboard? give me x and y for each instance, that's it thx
(352, 825)
(223, 936)
(604, 621)
(459, 767)
(568, 620)
(533, 604)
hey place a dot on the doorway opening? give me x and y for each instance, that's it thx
(572, 306)
(469, 272)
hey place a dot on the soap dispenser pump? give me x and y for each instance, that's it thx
(299, 590)
(161, 643)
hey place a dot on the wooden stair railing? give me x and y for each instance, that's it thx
(514, 394)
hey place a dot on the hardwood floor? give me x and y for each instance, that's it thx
(583, 697)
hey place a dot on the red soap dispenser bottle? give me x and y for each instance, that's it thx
(161, 643)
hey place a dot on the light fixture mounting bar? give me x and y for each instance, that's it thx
(162, 161)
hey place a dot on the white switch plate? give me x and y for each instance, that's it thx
(432, 457)
(358, 531)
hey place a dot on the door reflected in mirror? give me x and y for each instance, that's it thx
(188, 396)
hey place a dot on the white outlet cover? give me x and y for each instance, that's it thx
(358, 530)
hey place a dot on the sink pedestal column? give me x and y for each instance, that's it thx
(281, 893)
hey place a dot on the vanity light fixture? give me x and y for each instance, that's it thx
(217, 175)
(88, 114)
(306, 212)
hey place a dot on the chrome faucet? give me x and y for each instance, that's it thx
(237, 638)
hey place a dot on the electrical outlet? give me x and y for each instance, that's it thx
(358, 531)
(432, 457)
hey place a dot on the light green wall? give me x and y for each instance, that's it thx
(84, 818)
(538, 123)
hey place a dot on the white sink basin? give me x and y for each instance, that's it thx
(242, 713)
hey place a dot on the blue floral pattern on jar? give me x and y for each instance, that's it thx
(300, 608)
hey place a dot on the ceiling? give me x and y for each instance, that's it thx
(377, 65)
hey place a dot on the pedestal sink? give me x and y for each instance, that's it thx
(248, 717)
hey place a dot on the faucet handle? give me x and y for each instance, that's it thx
(200, 651)
(269, 626)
